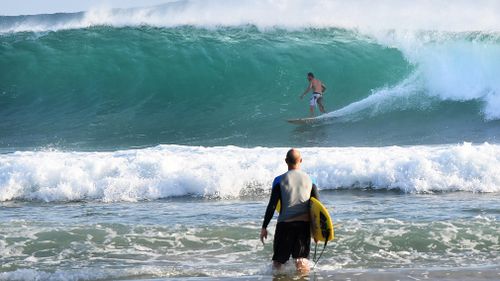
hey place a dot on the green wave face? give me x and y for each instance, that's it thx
(104, 87)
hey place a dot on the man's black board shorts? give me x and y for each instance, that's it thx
(292, 238)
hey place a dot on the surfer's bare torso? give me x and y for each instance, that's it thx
(317, 86)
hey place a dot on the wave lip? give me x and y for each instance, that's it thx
(170, 170)
(460, 15)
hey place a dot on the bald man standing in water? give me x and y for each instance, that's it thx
(293, 233)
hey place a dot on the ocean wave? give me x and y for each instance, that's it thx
(123, 87)
(447, 67)
(361, 14)
(170, 170)
(463, 77)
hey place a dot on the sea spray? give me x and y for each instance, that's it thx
(364, 15)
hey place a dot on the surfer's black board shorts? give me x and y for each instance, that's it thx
(292, 238)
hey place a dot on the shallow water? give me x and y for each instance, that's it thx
(186, 237)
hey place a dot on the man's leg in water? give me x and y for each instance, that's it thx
(302, 265)
(320, 105)
(312, 105)
(302, 247)
(277, 265)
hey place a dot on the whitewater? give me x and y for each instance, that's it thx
(232, 172)
(383, 15)
(141, 143)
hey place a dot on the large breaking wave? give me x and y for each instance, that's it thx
(108, 87)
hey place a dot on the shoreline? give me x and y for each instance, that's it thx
(393, 274)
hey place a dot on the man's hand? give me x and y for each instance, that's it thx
(263, 235)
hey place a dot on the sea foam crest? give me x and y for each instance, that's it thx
(460, 15)
(170, 170)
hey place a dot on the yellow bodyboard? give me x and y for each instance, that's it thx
(321, 222)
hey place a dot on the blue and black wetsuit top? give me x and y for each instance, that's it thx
(294, 189)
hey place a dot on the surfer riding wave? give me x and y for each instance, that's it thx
(318, 89)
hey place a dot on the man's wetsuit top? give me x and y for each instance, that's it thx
(294, 189)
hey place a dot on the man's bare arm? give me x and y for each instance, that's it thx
(323, 86)
(307, 90)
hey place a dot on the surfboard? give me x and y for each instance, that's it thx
(303, 121)
(310, 120)
(321, 222)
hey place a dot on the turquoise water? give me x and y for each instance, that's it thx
(107, 87)
(144, 86)
(142, 143)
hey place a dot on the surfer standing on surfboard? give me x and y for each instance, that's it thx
(318, 89)
(293, 231)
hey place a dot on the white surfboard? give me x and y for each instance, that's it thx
(303, 121)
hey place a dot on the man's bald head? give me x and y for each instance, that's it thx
(293, 158)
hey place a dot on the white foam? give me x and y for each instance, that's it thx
(448, 67)
(404, 95)
(461, 15)
(87, 273)
(170, 170)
